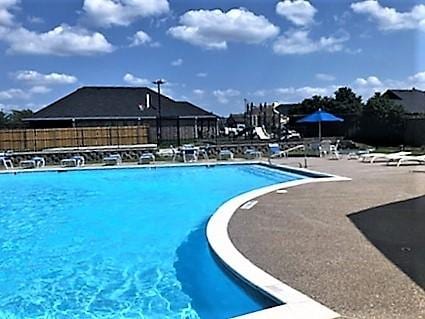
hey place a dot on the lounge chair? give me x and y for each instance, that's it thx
(203, 152)
(225, 155)
(326, 148)
(189, 153)
(410, 158)
(167, 153)
(252, 153)
(6, 162)
(113, 159)
(372, 157)
(275, 151)
(35, 162)
(146, 158)
(74, 161)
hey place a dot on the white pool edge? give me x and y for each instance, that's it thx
(296, 304)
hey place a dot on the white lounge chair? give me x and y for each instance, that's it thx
(411, 158)
(35, 162)
(146, 158)
(189, 153)
(113, 159)
(373, 157)
(225, 155)
(252, 153)
(6, 162)
(326, 148)
(167, 153)
(74, 161)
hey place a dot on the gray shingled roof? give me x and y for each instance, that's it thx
(413, 100)
(116, 102)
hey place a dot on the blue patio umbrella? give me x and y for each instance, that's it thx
(319, 117)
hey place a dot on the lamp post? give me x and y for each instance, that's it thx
(158, 118)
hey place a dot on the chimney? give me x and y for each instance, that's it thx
(148, 100)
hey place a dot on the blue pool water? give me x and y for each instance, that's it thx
(126, 243)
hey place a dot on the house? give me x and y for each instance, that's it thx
(126, 106)
(412, 100)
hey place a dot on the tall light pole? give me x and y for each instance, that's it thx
(158, 118)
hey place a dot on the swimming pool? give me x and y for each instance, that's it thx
(121, 243)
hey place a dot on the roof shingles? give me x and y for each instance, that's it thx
(110, 102)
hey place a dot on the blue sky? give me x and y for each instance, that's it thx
(212, 53)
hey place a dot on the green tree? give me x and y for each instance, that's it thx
(14, 119)
(382, 121)
(346, 102)
(3, 120)
(312, 104)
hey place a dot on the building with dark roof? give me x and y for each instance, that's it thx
(413, 101)
(125, 106)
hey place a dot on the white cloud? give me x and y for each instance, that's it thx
(140, 38)
(202, 75)
(35, 20)
(199, 92)
(224, 96)
(299, 42)
(369, 81)
(325, 77)
(13, 94)
(133, 80)
(63, 40)
(6, 17)
(40, 89)
(299, 12)
(36, 78)
(122, 12)
(177, 62)
(418, 78)
(389, 18)
(214, 29)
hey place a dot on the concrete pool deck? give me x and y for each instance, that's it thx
(363, 265)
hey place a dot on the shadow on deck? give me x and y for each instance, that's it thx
(398, 231)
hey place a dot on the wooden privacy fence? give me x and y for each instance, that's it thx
(39, 139)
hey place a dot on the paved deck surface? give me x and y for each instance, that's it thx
(365, 265)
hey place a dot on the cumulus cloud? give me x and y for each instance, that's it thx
(214, 29)
(122, 12)
(36, 78)
(299, 12)
(134, 80)
(63, 40)
(369, 81)
(224, 96)
(325, 77)
(201, 75)
(198, 92)
(418, 78)
(10, 94)
(365, 86)
(389, 18)
(6, 17)
(140, 38)
(40, 89)
(299, 42)
(177, 62)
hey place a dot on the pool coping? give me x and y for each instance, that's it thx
(296, 304)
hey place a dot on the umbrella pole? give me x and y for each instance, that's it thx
(320, 131)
